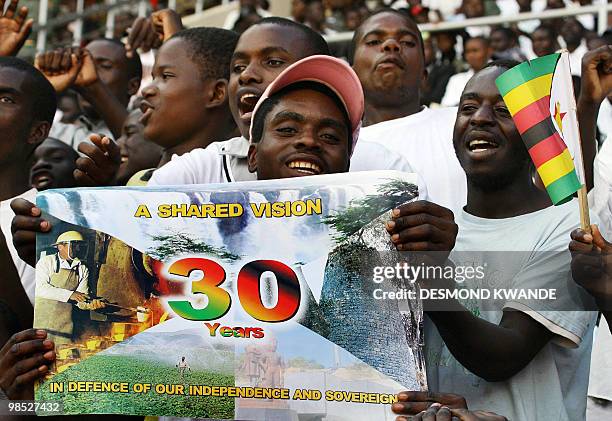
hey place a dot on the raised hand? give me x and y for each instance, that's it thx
(596, 81)
(88, 73)
(423, 226)
(14, 28)
(151, 32)
(99, 166)
(26, 223)
(592, 265)
(61, 67)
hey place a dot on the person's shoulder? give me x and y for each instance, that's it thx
(554, 224)
(391, 126)
(371, 155)
(194, 167)
(364, 147)
(237, 146)
(568, 213)
(444, 113)
(196, 157)
(456, 78)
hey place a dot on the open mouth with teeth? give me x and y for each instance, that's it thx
(246, 103)
(305, 167)
(42, 180)
(124, 159)
(481, 145)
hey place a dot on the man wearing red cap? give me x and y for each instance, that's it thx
(307, 121)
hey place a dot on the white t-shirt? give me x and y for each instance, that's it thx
(425, 140)
(600, 197)
(526, 251)
(454, 88)
(575, 59)
(604, 119)
(224, 162)
(27, 274)
(600, 385)
(73, 134)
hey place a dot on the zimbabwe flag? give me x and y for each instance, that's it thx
(540, 96)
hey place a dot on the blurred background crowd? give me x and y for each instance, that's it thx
(453, 51)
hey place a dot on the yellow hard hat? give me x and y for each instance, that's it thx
(68, 236)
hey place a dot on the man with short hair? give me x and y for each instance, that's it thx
(505, 44)
(524, 359)
(185, 107)
(54, 165)
(306, 122)
(27, 107)
(262, 52)
(105, 79)
(477, 53)
(389, 60)
(572, 33)
(544, 40)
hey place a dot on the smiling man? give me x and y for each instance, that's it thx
(307, 121)
(262, 53)
(523, 359)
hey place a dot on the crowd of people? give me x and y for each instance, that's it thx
(253, 103)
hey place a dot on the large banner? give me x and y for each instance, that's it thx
(249, 301)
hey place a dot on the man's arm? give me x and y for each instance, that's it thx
(14, 28)
(592, 267)
(596, 84)
(75, 68)
(493, 352)
(89, 85)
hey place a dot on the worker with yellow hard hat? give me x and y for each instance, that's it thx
(61, 282)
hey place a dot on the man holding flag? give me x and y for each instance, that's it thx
(591, 252)
(523, 359)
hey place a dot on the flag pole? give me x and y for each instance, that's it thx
(583, 203)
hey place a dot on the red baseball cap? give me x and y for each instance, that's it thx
(332, 72)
